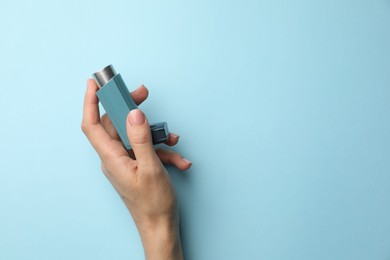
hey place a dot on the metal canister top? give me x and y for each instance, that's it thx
(104, 75)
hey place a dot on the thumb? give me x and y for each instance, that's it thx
(140, 138)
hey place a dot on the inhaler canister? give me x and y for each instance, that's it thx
(116, 100)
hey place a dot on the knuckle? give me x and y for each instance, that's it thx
(84, 127)
(105, 170)
(151, 169)
(139, 138)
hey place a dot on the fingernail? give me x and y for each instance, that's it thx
(137, 117)
(186, 161)
(174, 135)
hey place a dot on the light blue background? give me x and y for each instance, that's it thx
(283, 107)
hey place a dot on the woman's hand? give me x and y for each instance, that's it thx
(139, 175)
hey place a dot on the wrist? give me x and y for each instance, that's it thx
(161, 239)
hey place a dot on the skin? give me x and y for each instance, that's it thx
(139, 175)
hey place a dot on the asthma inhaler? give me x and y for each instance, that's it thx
(116, 100)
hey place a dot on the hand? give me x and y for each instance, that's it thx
(165, 155)
(142, 181)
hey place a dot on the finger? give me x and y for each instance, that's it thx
(171, 157)
(173, 139)
(140, 94)
(97, 136)
(138, 132)
(109, 127)
(91, 113)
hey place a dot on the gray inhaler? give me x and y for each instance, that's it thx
(116, 100)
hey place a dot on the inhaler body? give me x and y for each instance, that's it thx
(116, 100)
